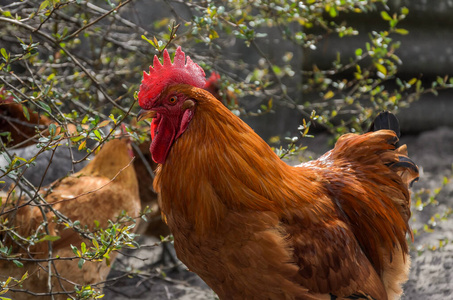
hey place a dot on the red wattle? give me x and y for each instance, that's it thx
(154, 124)
(163, 140)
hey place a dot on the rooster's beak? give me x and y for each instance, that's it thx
(145, 114)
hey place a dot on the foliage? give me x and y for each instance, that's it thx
(354, 87)
(79, 63)
(426, 201)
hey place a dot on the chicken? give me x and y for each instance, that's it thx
(13, 120)
(99, 192)
(253, 227)
(213, 86)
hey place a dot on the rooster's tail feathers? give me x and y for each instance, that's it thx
(403, 165)
(386, 120)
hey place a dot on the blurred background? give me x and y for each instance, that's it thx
(300, 73)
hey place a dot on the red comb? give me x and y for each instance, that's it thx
(160, 76)
(213, 78)
(5, 97)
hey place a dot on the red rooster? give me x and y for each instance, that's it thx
(253, 227)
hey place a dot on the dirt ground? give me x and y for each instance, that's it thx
(431, 272)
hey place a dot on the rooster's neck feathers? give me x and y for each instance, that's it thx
(234, 177)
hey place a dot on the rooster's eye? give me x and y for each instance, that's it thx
(172, 99)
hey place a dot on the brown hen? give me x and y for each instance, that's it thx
(101, 191)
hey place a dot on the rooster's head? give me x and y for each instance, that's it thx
(162, 99)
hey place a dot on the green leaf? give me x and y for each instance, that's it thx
(7, 14)
(25, 276)
(26, 113)
(95, 243)
(98, 134)
(81, 262)
(75, 250)
(4, 54)
(381, 68)
(333, 12)
(426, 228)
(358, 52)
(18, 263)
(418, 86)
(44, 4)
(412, 81)
(402, 31)
(107, 259)
(45, 107)
(112, 117)
(385, 16)
(77, 138)
(50, 77)
(52, 129)
(83, 247)
(149, 41)
(328, 95)
(50, 238)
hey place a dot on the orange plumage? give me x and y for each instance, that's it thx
(253, 227)
(99, 192)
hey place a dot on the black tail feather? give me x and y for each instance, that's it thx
(386, 120)
(405, 166)
(406, 162)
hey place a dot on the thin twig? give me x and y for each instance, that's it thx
(96, 20)
(68, 53)
(144, 161)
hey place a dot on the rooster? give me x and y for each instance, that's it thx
(253, 227)
(99, 192)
